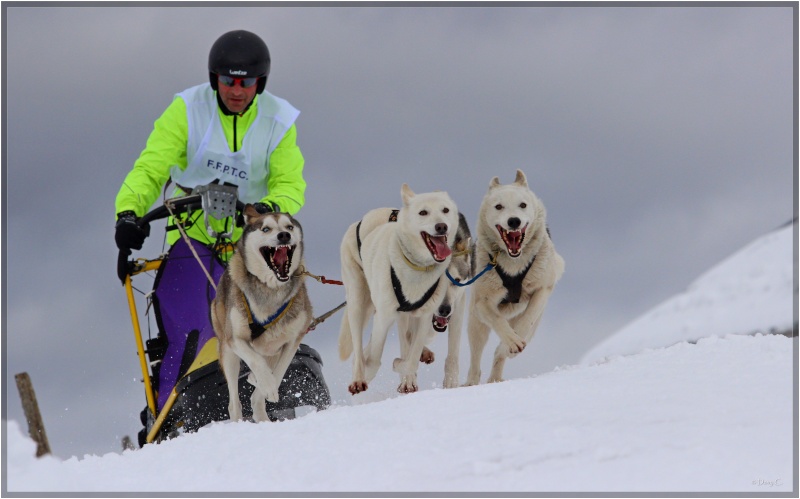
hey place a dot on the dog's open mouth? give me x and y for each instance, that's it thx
(440, 323)
(279, 259)
(513, 239)
(437, 245)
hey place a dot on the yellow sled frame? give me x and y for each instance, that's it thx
(146, 266)
(208, 353)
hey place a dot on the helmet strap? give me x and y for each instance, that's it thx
(262, 83)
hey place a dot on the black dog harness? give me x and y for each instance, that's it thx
(392, 218)
(405, 305)
(513, 284)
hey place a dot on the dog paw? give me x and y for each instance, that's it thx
(495, 380)
(473, 379)
(407, 386)
(272, 395)
(235, 411)
(259, 411)
(517, 345)
(450, 382)
(357, 387)
(427, 356)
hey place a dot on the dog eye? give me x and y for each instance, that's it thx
(523, 205)
(446, 210)
(290, 227)
(423, 213)
(265, 229)
(498, 207)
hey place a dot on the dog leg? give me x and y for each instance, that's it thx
(404, 327)
(357, 310)
(526, 323)
(492, 317)
(230, 364)
(478, 335)
(285, 358)
(257, 402)
(408, 367)
(454, 343)
(496, 374)
(265, 380)
(380, 330)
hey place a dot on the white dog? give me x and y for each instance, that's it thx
(396, 277)
(261, 311)
(448, 316)
(510, 299)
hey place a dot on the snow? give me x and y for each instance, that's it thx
(647, 411)
(751, 291)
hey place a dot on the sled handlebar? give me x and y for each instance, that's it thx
(178, 206)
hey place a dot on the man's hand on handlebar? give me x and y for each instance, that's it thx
(266, 207)
(129, 233)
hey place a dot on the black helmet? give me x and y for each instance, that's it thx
(239, 53)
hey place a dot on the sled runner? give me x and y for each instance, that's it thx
(184, 386)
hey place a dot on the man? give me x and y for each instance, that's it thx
(231, 131)
(228, 130)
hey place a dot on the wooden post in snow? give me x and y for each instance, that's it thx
(32, 414)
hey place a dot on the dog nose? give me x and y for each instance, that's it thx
(441, 229)
(444, 310)
(284, 238)
(514, 222)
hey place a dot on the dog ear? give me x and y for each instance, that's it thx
(249, 213)
(495, 182)
(406, 193)
(521, 179)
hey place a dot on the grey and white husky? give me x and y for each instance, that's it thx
(395, 277)
(510, 299)
(262, 310)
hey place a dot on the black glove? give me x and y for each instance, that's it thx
(266, 207)
(129, 235)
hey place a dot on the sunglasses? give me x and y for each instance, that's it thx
(230, 81)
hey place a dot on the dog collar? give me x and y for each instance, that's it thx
(418, 268)
(257, 328)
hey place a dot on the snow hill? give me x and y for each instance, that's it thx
(751, 291)
(713, 415)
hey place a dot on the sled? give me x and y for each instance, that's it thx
(184, 385)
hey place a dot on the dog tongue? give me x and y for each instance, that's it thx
(514, 240)
(441, 321)
(281, 256)
(441, 247)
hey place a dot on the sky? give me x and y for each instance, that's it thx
(659, 138)
(616, 422)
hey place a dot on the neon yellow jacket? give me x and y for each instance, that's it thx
(166, 147)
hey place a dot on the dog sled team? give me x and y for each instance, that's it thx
(408, 268)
